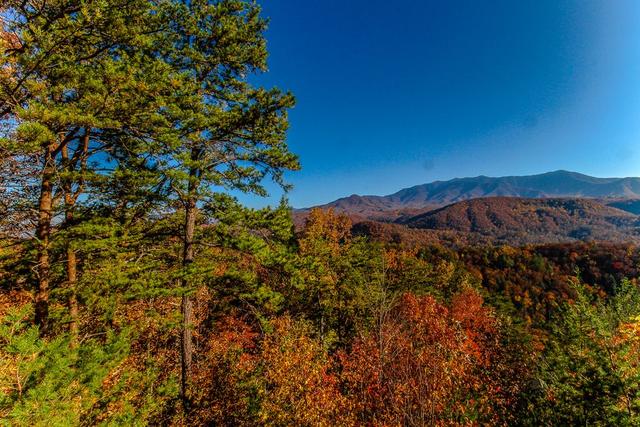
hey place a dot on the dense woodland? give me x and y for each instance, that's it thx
(135, 289)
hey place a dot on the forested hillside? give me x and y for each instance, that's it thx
(619, 192)
(513, 220)
(136, 290)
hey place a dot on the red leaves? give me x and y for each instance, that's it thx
(422, 367)
(425, 363)
(224, 373)
(283, 377)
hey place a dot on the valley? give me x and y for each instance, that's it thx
(554, 207)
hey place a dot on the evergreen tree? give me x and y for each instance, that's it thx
(75, 79)
(589, 371)
(224, 134)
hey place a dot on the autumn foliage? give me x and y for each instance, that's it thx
(427, 364)
(136, 289)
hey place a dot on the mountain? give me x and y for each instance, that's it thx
(422, 198)
(553, 207)
(520, 221)
(630, 205)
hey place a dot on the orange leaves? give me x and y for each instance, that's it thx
(299, 388)
(477, 322)
(627, 343)
(423, 365)
(279, 378)
(224, 380)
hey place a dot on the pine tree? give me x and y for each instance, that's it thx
(76, 79)
(225, 134)
(589, 372)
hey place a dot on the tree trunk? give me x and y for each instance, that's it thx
(70, 198)
(72, 279)
(43, 232)
(187, 305)
(186, 341)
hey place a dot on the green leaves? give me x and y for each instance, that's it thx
(589, 366)
(49, 382)
(30, 138)
(131, 111)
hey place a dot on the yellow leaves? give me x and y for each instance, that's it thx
(299, 387)
(327, 227)
(286, 373)
(629, 335)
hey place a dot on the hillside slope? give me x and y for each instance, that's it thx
(519, 221)
(421, 198)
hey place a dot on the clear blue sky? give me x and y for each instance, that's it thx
(397, 93)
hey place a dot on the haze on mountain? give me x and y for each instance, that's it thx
(393, 94)
(561, 183)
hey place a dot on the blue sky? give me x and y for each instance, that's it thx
(394, 94)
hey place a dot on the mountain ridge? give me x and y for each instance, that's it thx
(510, 220)
(422, 198)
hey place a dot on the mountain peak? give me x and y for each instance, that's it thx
(559, 183)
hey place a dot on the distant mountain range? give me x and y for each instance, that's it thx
(551, 207)
(440, 193)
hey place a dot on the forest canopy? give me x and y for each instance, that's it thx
(136, 289)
